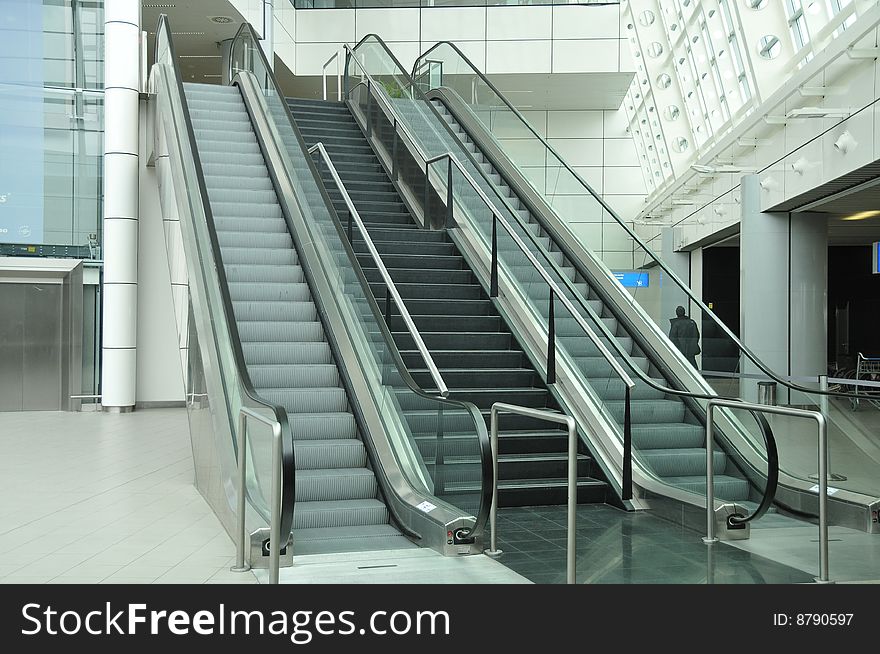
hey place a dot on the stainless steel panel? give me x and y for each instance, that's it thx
(11, 351)
(91, 323)
(43, 346)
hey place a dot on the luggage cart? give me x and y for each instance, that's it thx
(867, 368)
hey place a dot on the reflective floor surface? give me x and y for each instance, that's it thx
(617, 547)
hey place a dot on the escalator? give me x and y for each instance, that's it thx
(597, 349)
(285, 349)
(667, 432)
(478, 356)
(456, 108)
(286, 352)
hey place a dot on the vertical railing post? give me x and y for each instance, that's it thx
(493, 282)
(493, 511)
(275, 524)
(338, 79)
(369, 109)
(626, 491)
(571, 544)
(240, 532)
(394, 153)
(439, 456)
(710, 474)
(823, 577)
(350, 231)
(388, 307)
(426, 211)
(551, 342)
(449, 193)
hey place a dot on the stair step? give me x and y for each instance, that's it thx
(363, 538)
(340, 513)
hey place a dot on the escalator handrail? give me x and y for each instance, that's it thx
(390, 286)
(560, 242)
(245, 385)
(482, 433)
(770, 486)
(398, 121)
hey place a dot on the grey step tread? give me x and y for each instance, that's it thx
(547, 482)
(322, 426)
(330, 513)
(364, 538)
(697, 484)
(335, 484)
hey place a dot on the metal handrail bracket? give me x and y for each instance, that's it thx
(383, 271)
(710, 538)
(568, 421)
(275, 522)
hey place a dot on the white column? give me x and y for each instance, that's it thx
(783, 292)
(122, 38)
(268, 41)
(808, 297)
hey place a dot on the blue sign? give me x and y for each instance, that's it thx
(21, 122)
(632, 279)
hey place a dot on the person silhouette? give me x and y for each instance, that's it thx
(685, 336)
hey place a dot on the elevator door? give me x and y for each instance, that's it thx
(31, 346)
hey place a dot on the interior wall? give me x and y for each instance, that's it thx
(159, 377)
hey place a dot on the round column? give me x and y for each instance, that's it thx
(122, 35)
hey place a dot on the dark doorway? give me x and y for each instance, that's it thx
(721, 294)
(853, 305)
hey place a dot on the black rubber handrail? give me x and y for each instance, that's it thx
(246, 389)
(482, 517)
(554, 232)
(528, 233)
(772, 482)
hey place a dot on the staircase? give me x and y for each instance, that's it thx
(478, 357)
(667, 434)
(288, 358)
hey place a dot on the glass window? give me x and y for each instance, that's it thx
(51, 121)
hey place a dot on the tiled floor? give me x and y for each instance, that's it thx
(102, 498)
(616, 547)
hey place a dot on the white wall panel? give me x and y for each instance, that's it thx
(626, 206)
(406, 52)
(574, 124)
(620, 152)
(579, 152)
(310, 57)
(325, 25)
(518, 56)
(453, 24)
(584, 22)
(506, 23)
(624, 181)
(524, 152)
(580, 56)
(401, 24)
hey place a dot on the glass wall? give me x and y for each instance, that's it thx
(51, 127)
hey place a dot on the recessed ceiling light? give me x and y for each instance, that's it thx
(862, 215)
(223, 20)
